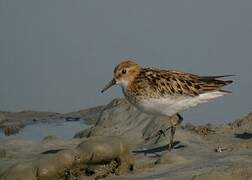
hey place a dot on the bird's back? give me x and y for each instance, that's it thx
(157, 83)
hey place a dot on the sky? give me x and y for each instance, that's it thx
(56, 55)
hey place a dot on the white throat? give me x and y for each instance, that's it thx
(123, 84)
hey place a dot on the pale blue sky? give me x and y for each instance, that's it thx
(56, 55)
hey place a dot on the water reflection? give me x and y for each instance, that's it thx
(37, 131)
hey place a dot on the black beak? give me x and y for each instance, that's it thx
(111, 83)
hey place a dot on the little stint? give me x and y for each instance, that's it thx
(165, 92)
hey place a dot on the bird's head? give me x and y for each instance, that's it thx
(124, 74)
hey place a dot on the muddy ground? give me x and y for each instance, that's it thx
(115, 148)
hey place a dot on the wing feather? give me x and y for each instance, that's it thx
(157, 82)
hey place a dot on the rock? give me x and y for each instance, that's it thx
(93, 154)
(119, 118)
(83, 133)
(243, 123)
(97, 149)
(54, 166)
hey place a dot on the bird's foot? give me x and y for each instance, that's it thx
(170, 146)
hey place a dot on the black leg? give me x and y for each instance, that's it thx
(162, 132)
(173, 130)
(159, 134)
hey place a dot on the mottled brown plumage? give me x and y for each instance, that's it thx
(157, 82)
(165, 92)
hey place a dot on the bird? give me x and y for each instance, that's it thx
(163, 92)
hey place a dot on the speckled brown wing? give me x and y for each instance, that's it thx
(156, 83)
(193, 85)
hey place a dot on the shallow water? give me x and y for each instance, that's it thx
(37, 131)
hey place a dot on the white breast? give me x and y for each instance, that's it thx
(171, 105)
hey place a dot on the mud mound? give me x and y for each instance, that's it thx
(243, 123)
(119, 118)
(95, 157)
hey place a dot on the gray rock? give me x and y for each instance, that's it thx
(83, 133)
(119, 118)
(243, 123)
(92, 154)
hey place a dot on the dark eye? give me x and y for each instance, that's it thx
(124, 71)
